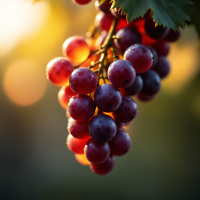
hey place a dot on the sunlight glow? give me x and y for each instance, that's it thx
(24, 83)
(18, 20)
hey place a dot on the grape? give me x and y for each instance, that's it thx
(102, 128)
(64, 94)
(142, 97)
(162, 47)
(81, 158)
(127, 37)
(107, 98)
(58, 71)
(81, 2)
(155, 57)
(122, 23)
(120, 144)
(140, 57)
(119, 125)
(134, 89)
(76, 49)
(103, 168)
(127, 111)
(121, 73)
(104, 20)
(81, 107)
(83, 81)
(76, 145)
(151, 83)
(156, 32)
(105, 7)
(78, 129)
(96, 152)
(116, 12)
(162, 67)
(173, 36)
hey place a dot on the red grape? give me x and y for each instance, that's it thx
(81, 2)
(58, 71)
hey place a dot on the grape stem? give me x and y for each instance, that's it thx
(105, 46)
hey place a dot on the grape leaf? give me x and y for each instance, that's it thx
(169, 13)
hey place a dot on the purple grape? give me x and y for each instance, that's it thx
(142, 97)
(107, 97)
(140, 57)
(121, 73)
(162, 47)
(134, 89)
(155, 57)
(116, 12)
(105, 7)
(155, 32)
(151, 83)
(81, 107)
(96, 152)
(162, 67)
(173, 36)
(120, 144)
(127, 111)
(127, 37)
(103, 168)
(83, 81)
(102, 128)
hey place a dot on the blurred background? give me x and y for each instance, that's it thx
(164, 160)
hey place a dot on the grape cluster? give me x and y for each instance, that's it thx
(99, 76)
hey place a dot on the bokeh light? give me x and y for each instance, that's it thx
(24, 83)
(19, 19)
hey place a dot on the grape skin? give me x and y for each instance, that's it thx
(120, 144)
(58, 71)
(96, 152)
(107, 98)
(76, 49)
(127, 111)
(105, 7)
(81, 2)
(102, 128)
(121, 73)
(140, 57)
(83, 81)
(81, 107)
(162, 47)
(127, 37)
(103, 168)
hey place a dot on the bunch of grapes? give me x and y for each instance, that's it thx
(100, 74)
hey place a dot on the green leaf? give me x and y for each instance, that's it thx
(169, 13)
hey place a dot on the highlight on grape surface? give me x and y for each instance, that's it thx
(102, 74)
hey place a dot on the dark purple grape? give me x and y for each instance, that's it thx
(134, 89)
(142, 97)
(127, 37)
(81, 107)
(83, 81)
(155, 32)
(173, 36)
(140, 57)
(127, 111)
(77, 129)
(107, 97)
(105, 7)
(162, 67)
(103, 168)
(151, 83)
(162, 47)
(120, 144)
(116, 12)
(96, 152)
(155, 57)
(102, 128)
(119, 125)
(121, 73)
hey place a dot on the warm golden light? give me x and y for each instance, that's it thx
(184, 61)
(24, 83)
(81, 158)
(19, 19)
